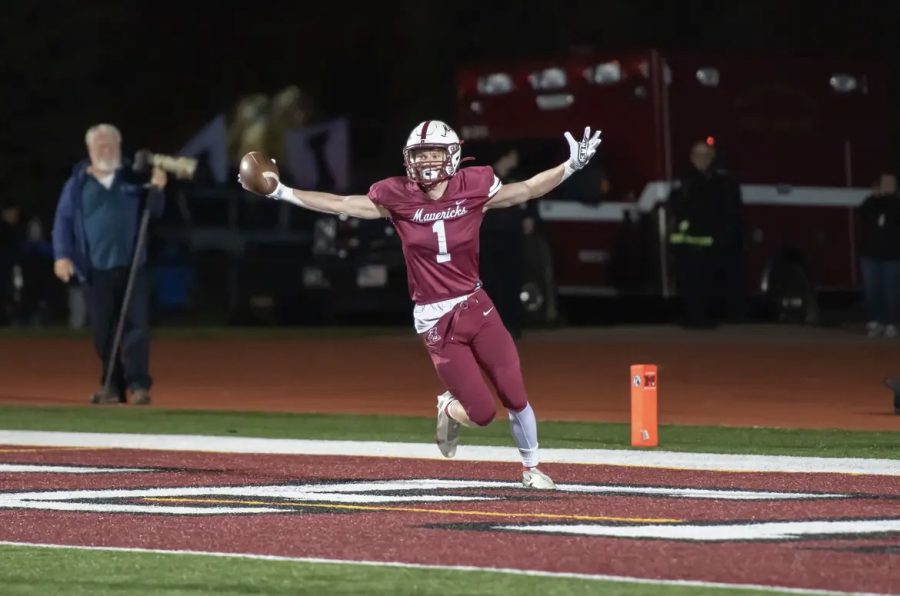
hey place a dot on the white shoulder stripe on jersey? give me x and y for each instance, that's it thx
(495, 187)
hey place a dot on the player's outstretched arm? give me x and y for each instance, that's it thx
(580, 153)
(359, 206)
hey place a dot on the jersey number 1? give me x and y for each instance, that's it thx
(443, 256)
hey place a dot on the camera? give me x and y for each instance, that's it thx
(180, 167)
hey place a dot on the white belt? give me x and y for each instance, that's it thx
(426, 316)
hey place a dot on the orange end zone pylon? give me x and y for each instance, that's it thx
(644, 385)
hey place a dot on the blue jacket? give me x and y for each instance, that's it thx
(69, 237)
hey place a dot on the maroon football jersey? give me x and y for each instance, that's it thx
(439, 237)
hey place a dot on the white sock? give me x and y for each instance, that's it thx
(524, 431)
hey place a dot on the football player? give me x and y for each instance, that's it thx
(437, 209)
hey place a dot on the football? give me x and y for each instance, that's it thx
(259, 173)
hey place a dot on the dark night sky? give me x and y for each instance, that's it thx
(161, 69)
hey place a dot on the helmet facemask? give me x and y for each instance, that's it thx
(429, 172)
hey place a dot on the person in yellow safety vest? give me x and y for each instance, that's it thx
(683, 236)
(706, 237)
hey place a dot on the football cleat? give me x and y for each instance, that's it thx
(534, 478)
(447, 434)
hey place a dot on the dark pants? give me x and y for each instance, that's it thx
(881, 280)
(105, 294)
(730, 279)
(695, 270)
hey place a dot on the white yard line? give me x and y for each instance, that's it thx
(39, 469)
(613, 457)
(526, 572)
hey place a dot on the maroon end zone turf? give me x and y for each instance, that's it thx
(363, 509)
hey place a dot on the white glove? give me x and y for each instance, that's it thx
(581, 152)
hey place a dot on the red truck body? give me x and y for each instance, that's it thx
(806, 139)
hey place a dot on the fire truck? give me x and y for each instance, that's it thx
(804, 137)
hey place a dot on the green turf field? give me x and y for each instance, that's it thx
(577, 435)
(41, 571)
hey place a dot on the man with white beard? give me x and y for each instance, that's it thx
(94, 237)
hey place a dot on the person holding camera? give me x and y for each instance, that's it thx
(94, 238)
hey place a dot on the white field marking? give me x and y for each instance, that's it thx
(781, 530)
(146, 509)
(466, 568)
(39, 469)
(426, 484)
(610, 457)
(367, 493)
(79, 500)
(695, 493)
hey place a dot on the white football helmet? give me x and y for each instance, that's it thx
(432, 134)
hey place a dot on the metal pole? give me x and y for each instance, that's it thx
(135, 264)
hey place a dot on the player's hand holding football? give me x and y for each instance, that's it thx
(581, 152)
(259, 174)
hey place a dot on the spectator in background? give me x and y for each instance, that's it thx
(707, 240)
(94, 238)
(10, 240)
(291, 109)
(249, 127)
(503, 250)
(262, 123)
(879, 215)
(729, 244)
(35, 260)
